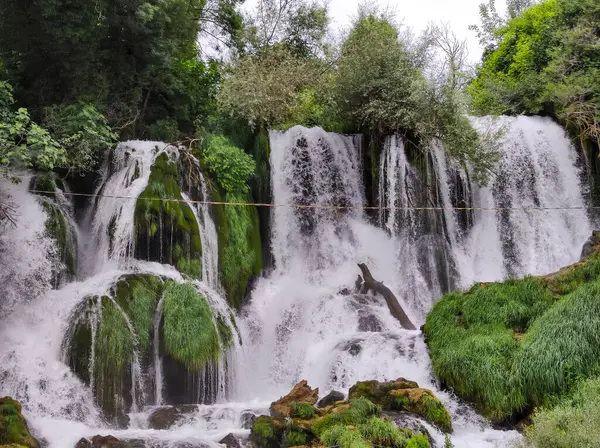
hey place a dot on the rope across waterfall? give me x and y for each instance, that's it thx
(367, 283)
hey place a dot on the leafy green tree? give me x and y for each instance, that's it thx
(230, 165)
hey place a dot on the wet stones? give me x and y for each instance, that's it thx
(167, 417)
(231, 441)
(331, 398)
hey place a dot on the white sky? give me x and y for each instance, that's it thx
(417, 14)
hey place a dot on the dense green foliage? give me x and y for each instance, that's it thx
(573, 421)
(546, 62)
(190, 334)
(230, 165)
(305, 411)
(510, 347)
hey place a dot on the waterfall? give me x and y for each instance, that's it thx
(158, 368)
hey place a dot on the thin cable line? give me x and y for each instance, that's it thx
(320, 206)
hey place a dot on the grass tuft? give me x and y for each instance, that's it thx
(189, 331)
(304, 411)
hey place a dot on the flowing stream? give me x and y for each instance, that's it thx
(304, 320)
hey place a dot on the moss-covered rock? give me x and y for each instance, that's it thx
(240, 252)
(508, 347)
(13, 427)
(404, 395)
(118, 328)
(357, 423)
(295, 401)
(166, 228)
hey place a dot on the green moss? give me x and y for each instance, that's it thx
(376, 391)
(418, 441)
(13, 427)
(190, 335)
(305, 411)
(573, 422)
(240, 252)
(434, 411)
(510, 346)
(138, 296)
(114, 355)
(297, 438)
(166, 227)
(225, 333)
(267, 432)
(383, 432)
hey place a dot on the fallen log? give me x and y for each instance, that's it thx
(370, 284)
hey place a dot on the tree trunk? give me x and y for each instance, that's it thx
(392, 302)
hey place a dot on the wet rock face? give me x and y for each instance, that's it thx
(167, 417)
(231, 441)
(331, 398)
(591, 245)
(13, 427)
(301, 393)
(112, 442)
(248, 418)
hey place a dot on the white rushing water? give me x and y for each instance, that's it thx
(304, 320)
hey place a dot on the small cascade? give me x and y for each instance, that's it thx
(112, 229)
(158, 367)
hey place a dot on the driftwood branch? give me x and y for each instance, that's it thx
(392, 302)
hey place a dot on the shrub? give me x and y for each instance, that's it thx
(231, 166)
(305, 411)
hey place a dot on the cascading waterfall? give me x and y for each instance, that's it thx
(44, 326)
(303, 321)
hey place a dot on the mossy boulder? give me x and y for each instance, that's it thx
(166, 228)
(300, 396)
(510, 347)
(14, 431)
(118, 329)
(354, 423)
(407, 396)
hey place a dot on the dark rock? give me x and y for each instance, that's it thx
(345, 292)
(105, 442)
(591, 245)
(248, 418)
(83, 443)
(231, 441)
(167, 417)
(352, 346)
(331, 398)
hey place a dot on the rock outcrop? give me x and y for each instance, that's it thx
(301, 393)
(167, 417)
(13, 426)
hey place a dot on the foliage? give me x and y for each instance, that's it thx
(82, 131)
(508, 347)
(545, 63)
(190, 335)
(230, 165)
(574, 421)
(264, 88)
(23, 143)
(123, 56)
(304, 411)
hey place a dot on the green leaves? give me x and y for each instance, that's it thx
(231, 165)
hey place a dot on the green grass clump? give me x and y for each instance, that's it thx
(343, 436)
(382, 432)
(418, 441)
(267, 432)
(296, 438)
(359, 411)
(13, 427)
(573, 422)
(190, 335)
(510, 346)
(225, 333)
(305, 411)
(138, 296)
(114, 354)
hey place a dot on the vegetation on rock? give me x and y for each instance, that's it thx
(13, 427)
(512, 346)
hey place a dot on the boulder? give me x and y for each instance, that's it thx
(247, 418)
(301, 393)
(407, 396)
(83, 443)
(267, 432)
(591, 245)
(167, 417)
(105, 442)
(231, 441)
(330, 398)
(13, 426)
